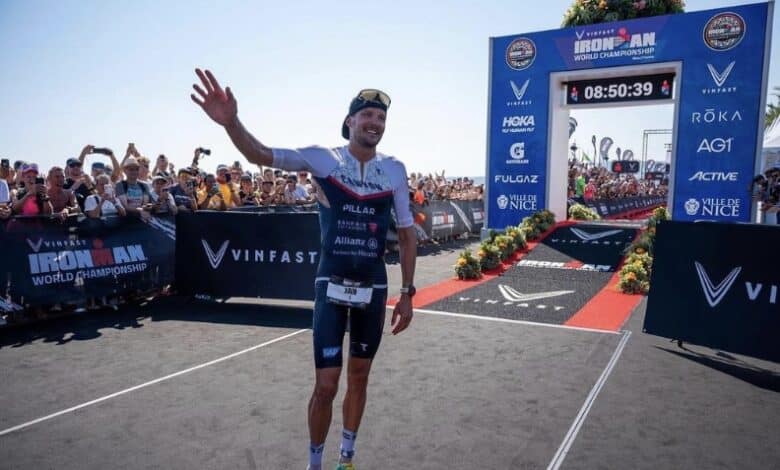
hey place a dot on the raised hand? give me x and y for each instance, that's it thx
(219, 105)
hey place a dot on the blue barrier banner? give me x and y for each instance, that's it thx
(719, 113)
(717, 285)
(49, 262)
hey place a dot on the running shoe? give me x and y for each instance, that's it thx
(345, 466)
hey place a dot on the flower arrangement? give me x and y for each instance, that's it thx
(637, 270)
(489, 255)
(582, 212)
(584, 12)
(518, 237)
(506, 244)
(468, 266)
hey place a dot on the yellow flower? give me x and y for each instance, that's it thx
(631, 277)
(639, 250)
(462, 261)
(481, 253)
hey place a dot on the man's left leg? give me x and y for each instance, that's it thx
(354, 404)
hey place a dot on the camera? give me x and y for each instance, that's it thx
(227, 177)
(102, 150)
(204, 151)
(5, 163)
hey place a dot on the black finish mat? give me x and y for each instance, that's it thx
(551, 283)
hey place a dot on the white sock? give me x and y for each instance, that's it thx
(348, 444)
(315, 456)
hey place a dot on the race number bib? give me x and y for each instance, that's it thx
(349, 293)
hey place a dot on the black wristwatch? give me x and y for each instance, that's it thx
(409, 290)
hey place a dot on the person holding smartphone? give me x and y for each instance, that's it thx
(162, 200)
(184, 192)
(32, 199)
(209, 196)
(5, 191)
(104, 202)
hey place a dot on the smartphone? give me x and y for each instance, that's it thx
(101, 150)
(39, 180)
(5, 163)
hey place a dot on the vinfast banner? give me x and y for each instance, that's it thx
(720, 89)
(244, 254)
(717, 285)
(49, 262)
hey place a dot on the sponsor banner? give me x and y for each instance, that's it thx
(717, 285)
(613, 207)
(720, 87)
(50, 262)
(235, 254)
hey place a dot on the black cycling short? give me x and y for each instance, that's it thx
(330, 324)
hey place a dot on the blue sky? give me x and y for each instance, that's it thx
(108, 73)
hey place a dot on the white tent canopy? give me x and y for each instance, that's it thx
(770, 155)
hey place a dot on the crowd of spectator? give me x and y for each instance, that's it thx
(589, 183)
(136, 187)
(766, 192)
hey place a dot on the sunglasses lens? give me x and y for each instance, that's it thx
(374, 95)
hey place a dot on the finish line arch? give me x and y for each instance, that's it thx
(712, 65)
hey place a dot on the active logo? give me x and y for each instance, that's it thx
(518, 124)
(713, 293)
(720, 79)
(520, 53)
(519, 93)
(611, 43)
(724, 31)
(215, 259)
(717, 145)
(712, 176)
(710, 116)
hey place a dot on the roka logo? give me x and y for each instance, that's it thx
(589, 237)
(215, 259)
(713, 293)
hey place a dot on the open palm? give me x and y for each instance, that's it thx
(220, 105)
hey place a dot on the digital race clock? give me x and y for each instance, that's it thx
(620, 89)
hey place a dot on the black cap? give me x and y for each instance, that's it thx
(356, 105)
(72, 161)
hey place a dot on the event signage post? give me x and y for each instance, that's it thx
(711, 64)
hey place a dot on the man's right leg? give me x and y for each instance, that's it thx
(329, 325)
(321, 403)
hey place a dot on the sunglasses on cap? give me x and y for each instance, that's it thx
(372, 94)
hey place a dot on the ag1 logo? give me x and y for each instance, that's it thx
(718, 145)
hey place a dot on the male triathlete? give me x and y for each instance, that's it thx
(358, 189)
